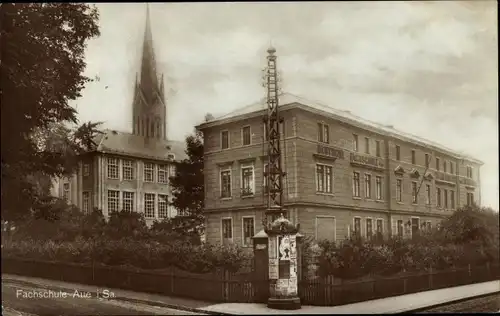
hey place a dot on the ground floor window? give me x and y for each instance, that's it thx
(113, 201)
(149, 205)
(227, 229)
(248, 230)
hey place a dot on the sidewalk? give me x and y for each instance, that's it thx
(390, 305)
(398, 304)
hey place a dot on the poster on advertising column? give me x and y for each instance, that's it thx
(273, 269)
(272, 248)
(293, 247)
(292, 286)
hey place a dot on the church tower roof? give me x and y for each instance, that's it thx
(149, 108)
(149, 79)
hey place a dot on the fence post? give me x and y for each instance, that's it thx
(470, 272)
(404, 285)
(172, 275)
(488, 269)
(430, 277)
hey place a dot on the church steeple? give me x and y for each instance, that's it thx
(149, 81)
(149, 109)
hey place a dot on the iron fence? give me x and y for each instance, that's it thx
(223, 286)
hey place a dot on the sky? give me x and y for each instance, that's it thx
(427, 68)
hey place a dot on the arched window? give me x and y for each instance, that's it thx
(146, 127)
(152, 128)
(143, 127)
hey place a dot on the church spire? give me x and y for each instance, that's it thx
(149, 79)
(149, 109)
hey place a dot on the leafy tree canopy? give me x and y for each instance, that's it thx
(41, 71)
(188, 188)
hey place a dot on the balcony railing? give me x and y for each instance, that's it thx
(468, 182)
(367, 161)
(446, 177)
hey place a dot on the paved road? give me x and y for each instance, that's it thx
(487, 304)
(18, 299)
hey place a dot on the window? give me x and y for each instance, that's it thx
(227, 229)
(377, 148)
(415, 226)
(437, 163)
(452, 199)
(224, 135)
(368, 186)
(323, 133)
(128, 170)
(378, 182)
(452, 167)
(470, 199)
(112, 168)
(246, 135)
(324, 178)
(469, 172)
(427, 160)
(128, 201)
(428, 194)
(444, 166)
(380, 229)
(399, 192)
(355, 142)
(414, 192)
(428, 226)
(398, 153)
(400, 227)
(162, 206)
(113, 200)
(367, 145)
(162, 174)
(149, 172)
(445, 195)
(357, 227)
(248, 231)
(247, 181)
(86, 202)
(225, 181)
(66, 192)
(355, 184)
(86, 169)
(149, 205)
(438, 197)
(369, 228)
(413, 157)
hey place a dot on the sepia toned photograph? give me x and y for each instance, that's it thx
(229, 158)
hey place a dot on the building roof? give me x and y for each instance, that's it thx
(137, 146)
(288, 100)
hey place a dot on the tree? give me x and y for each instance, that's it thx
(188, 188)
(472, 224)
(41, 71)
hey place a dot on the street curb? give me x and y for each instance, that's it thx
(417, 310)
(121, 298)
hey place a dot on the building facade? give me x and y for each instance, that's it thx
(130, 171)
(344, 175)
